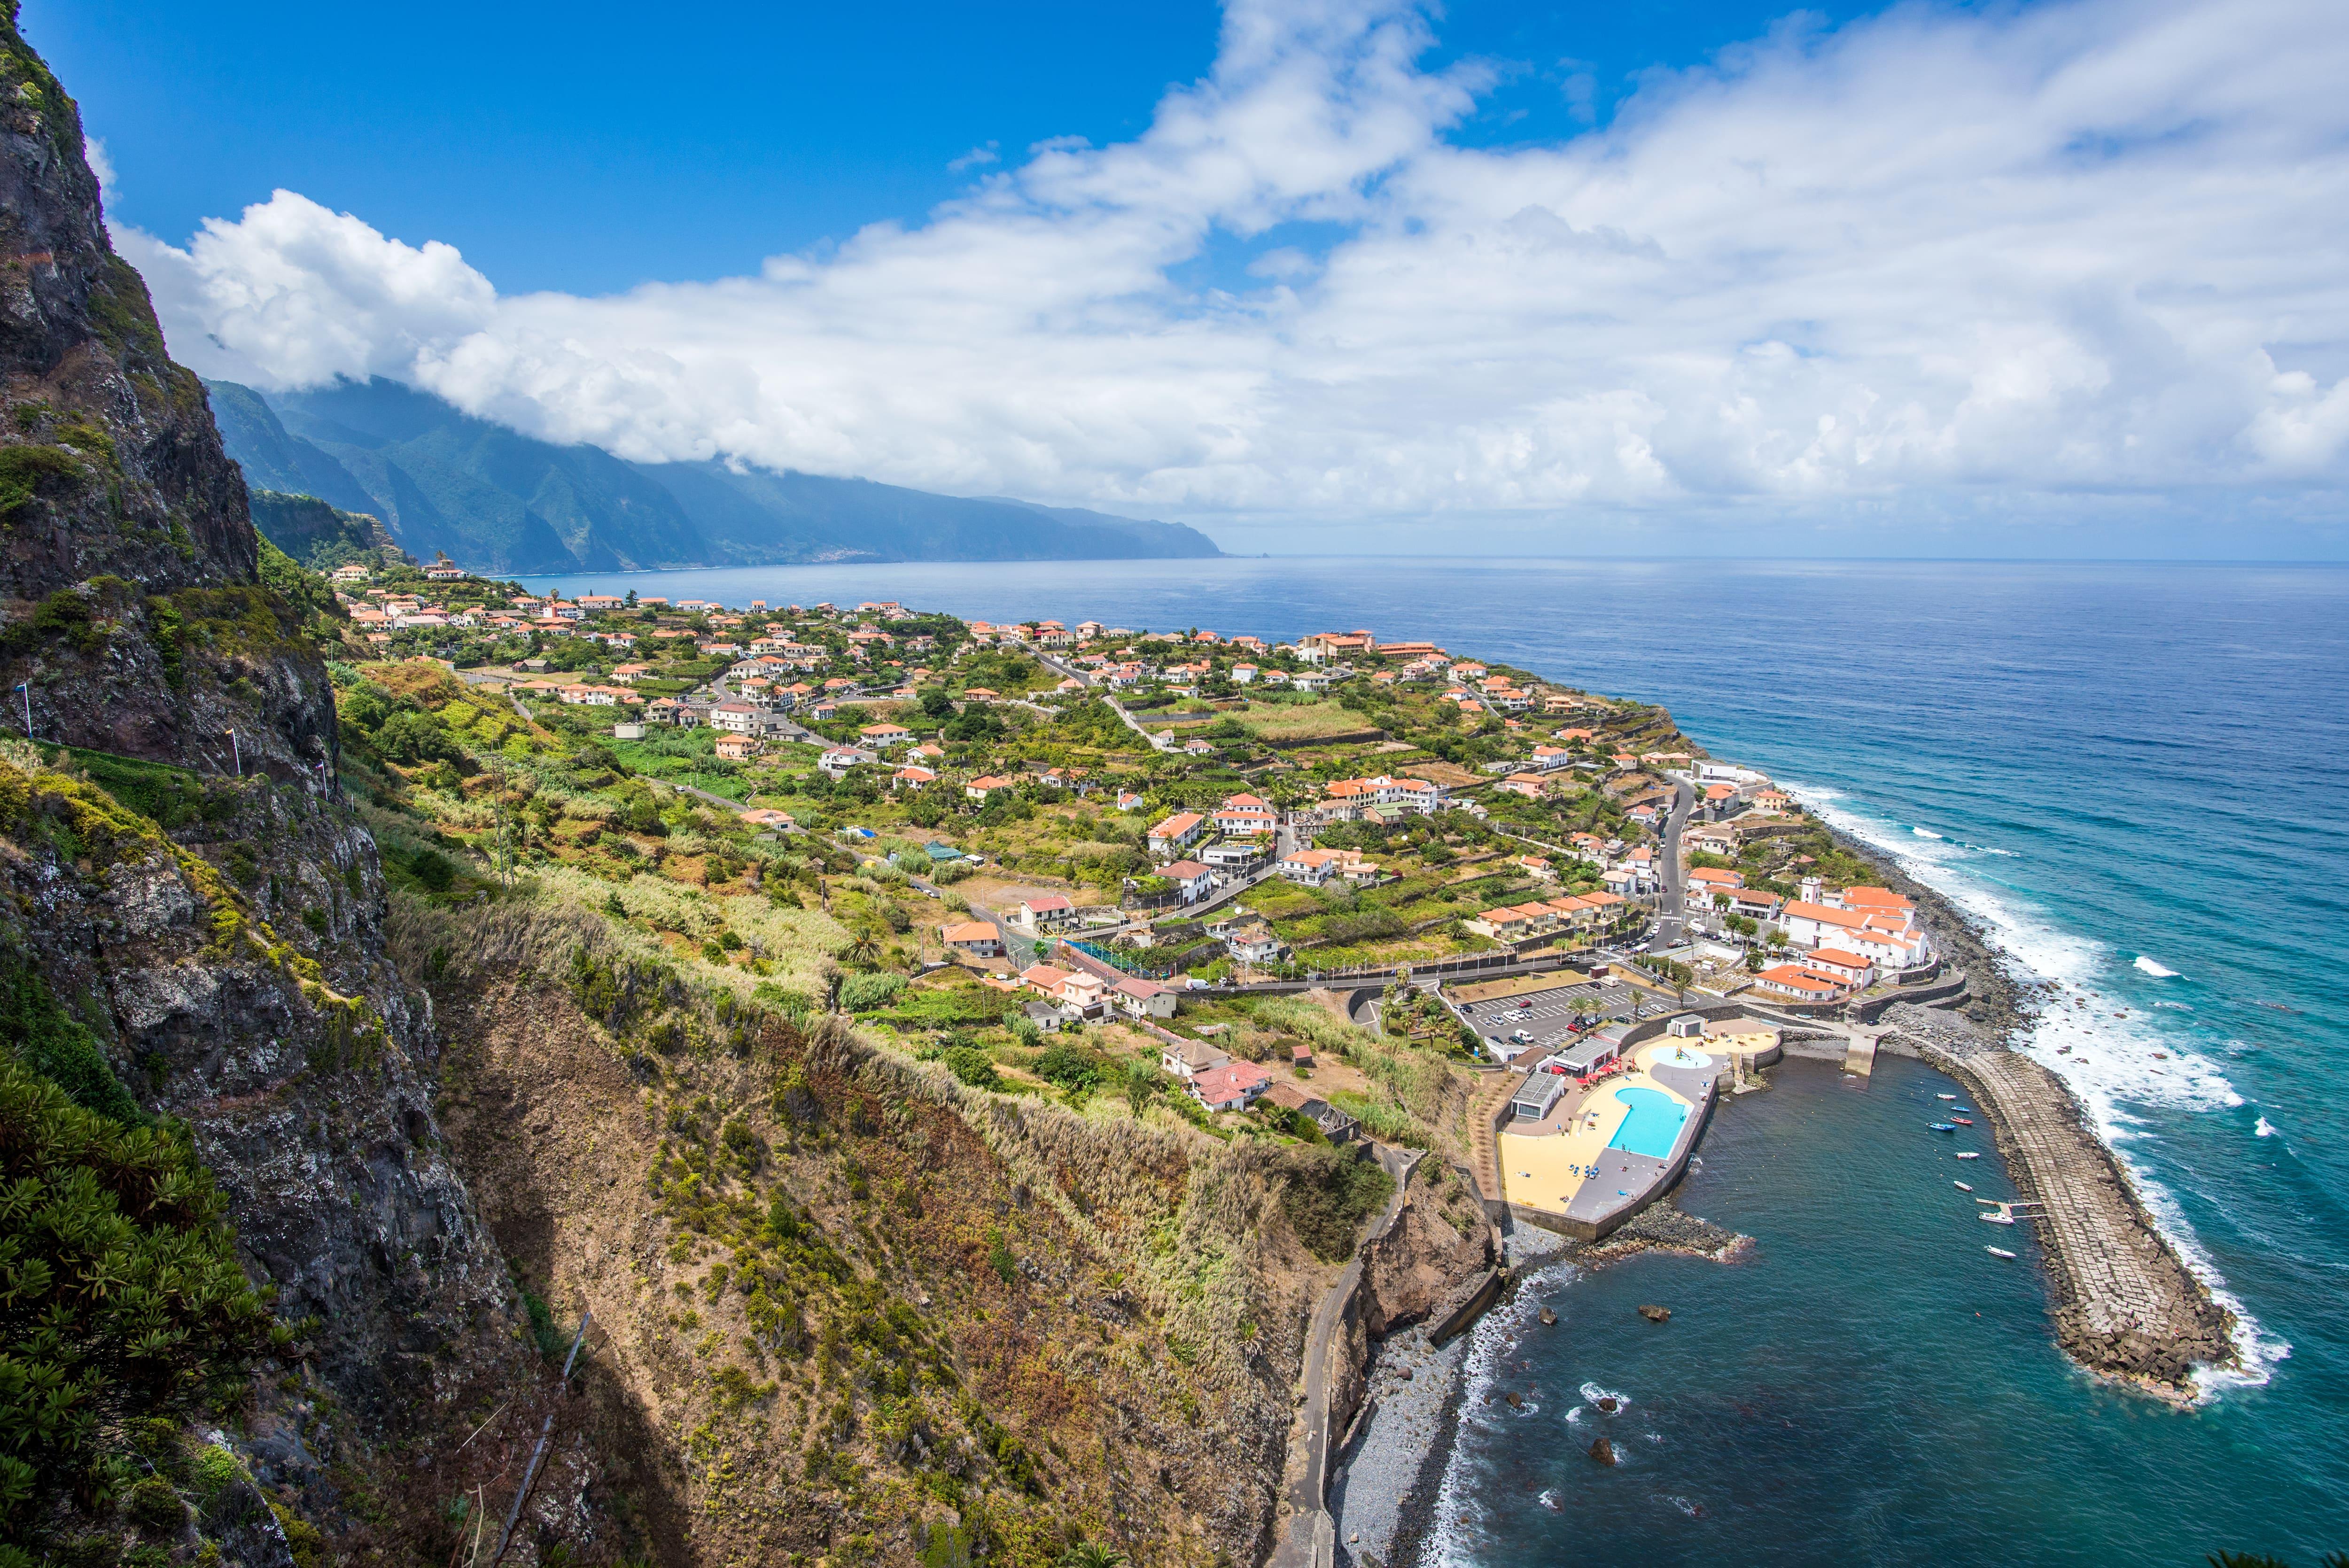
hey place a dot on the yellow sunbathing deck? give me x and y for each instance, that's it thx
(1544, 1166)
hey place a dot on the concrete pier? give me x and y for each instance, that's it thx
(2123, 1302)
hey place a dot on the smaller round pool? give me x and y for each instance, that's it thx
(1680, 1056)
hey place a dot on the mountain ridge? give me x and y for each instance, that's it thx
(493, 500)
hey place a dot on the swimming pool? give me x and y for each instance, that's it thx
(1653, 1126)
(1680, 1056)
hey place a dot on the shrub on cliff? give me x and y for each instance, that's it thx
(121, 1297)
(1326, 1195)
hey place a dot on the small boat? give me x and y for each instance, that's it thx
(1945, 1097)
(1961, 1187)
(1963, 1120)
(1995, 1217)
(1941, 1127)
(1967, 1108)
(1998, 1251)
(1968, 1154)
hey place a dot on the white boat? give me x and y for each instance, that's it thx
(1968, 1154)
(1998, 1251)
(1945, 1097)
(1995, 1219)
(1962, 1186)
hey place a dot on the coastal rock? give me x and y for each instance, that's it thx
(1655, 1314)
(1603, 1452)
(1438, 1242)
(1548, 1316)
(1609, 1404)
(1516, 1400)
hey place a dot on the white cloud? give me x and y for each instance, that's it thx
(93, 152)
(976, 157)
(2086, 247)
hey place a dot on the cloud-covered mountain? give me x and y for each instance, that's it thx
(496, 501)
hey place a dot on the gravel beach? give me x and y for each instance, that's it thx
(1385, 1486)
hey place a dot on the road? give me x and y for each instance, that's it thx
(1309, 1524)
(1672, 912)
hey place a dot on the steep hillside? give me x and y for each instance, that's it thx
(317, 535)
(499, 501)
(129, 605)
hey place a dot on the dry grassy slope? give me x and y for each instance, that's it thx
(1141, 1353)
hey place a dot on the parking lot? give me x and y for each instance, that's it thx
(1549, 1016)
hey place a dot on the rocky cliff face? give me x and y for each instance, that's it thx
(128, 560)
(208, 949)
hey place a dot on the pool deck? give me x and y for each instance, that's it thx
(1562, 1174)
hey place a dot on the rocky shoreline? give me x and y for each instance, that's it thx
(1391, 1473)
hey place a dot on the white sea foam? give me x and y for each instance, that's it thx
(1460, 1509)
(1928, 833)
(2160, 972)
(2263, 1127)
(2118, 1064)
(1594, 1393)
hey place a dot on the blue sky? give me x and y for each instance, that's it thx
(581, 148)
(2067, 277)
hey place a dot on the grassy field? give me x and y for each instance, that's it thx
(1304, 721)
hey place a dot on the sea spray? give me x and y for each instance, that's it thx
(2114, 1058)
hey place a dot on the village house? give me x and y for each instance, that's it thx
(837, 760)
(1176, 832)
(984, 785)
(1191, 880)
(1187, 1059)
(912, 778)
(1246, 814)
(1802, 985)
(884, 735)
(978, 938)
(1250, 939)
(1046, 911)
(1851, 968)
(739, 747)
(1235, 1086)
(739, 717)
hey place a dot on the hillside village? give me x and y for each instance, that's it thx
(1108, 825)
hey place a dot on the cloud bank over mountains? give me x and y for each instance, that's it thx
(2090, 250)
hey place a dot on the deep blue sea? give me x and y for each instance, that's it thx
(2137, 778)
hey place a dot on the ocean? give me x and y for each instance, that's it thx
(2137, 778)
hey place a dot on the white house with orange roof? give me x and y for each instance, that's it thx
(1802, 985)
(1178, 831)
(1246, 814)
(978, 938)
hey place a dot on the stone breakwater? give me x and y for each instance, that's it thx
(2125, 1306)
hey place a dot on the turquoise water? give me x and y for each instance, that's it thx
(1653, 1126)
(2134, 776)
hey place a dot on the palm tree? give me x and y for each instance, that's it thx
(1091, 1555)
(1141, 1083)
